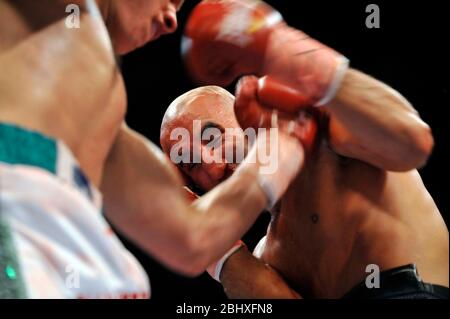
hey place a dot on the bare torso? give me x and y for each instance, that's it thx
(341, 215)
(63, 83)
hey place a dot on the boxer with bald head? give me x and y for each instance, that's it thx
(212, 106)
(359, 199)
(340, 216)
(63, 140)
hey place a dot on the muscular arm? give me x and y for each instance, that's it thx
(374, 123)
(244, 276)
(144, 200)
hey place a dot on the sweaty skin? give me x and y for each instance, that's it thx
(72, 90)
(359, 200)
(341, 215)
(131, 24)
(87, 122)
(352, 204)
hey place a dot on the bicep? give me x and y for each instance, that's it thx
(346, 144)
(134, 168)
(143, 197)
(372, 122)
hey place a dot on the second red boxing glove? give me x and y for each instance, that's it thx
(266, 103)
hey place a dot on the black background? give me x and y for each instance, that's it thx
(407, 52)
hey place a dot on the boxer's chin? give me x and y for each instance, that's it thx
(124, 47)
(128, 43)
(151, 33)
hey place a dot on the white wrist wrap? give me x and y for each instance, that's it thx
(221, 262)
(336, 83)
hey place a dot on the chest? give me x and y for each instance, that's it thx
(312, 238)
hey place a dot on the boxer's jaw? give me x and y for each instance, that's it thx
(133, 23)
(205, 175)
(205, 182)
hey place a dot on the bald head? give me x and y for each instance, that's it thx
(204, 110)
(206, 103)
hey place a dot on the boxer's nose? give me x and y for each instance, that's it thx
(215, 169)
(168, 19)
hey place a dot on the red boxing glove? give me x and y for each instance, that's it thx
(266, 103)
(225, 39)
(189, 195)
(274, 94)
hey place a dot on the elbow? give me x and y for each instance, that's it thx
(192, 257)
(420, 145)
(188, 264)
(193, 266)
(426, 145)
(189, 268)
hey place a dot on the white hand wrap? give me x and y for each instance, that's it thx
(286, 156)
(216, 269)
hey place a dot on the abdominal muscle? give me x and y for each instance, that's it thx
(339, 216)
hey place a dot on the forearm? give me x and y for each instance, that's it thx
(144, 199)
(137, 185)
(227, 212)
(246, 277)
(230, 208)
(373, 122)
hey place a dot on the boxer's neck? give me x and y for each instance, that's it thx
(21, 18)
(84, 143)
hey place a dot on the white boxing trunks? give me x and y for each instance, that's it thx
(54, 240)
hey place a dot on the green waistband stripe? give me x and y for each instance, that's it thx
(11, 281)
(21, 146)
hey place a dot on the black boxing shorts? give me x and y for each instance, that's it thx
(399, 283)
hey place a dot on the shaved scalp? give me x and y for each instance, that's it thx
(180, 106)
